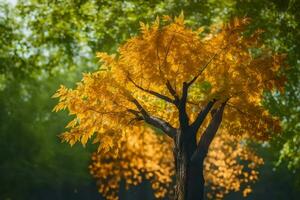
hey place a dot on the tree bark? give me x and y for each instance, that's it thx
(189, 157)
(181, 159)
(189, 175)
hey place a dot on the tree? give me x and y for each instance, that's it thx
(162, 78)
(33, 37)
(23, 54)
(89, 26)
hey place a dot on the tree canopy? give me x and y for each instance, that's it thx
(152, 67)
(169, 65)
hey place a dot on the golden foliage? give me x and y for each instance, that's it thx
(145, 155)
(230, 166)
(226, 68)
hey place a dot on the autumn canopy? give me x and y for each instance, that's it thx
(161, 80)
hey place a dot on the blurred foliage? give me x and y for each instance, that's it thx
(280, 21)
(32, 158)
(45, 42)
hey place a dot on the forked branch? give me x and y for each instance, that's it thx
(208, 135)
(152, 120)
(172, 92)
(202, 114)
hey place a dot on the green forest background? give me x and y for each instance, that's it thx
(45, 43)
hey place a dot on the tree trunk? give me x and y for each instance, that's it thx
(189, 175)
(181, 175)
(195, 182)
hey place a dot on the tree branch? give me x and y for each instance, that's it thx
(135, 119)
(239, 110)
(209, 134)
(206, 65)
(203, 68)
(166, 56)
(168, 49)
(134, 112)
(202, 114)
(156, 94)
(172, 92)
(183, 117)
(154, 121)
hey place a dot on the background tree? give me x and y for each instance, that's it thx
(31, 163)
(153, 80)
(280, 22)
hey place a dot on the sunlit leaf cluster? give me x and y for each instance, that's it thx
(143, 155)
(230, 166)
